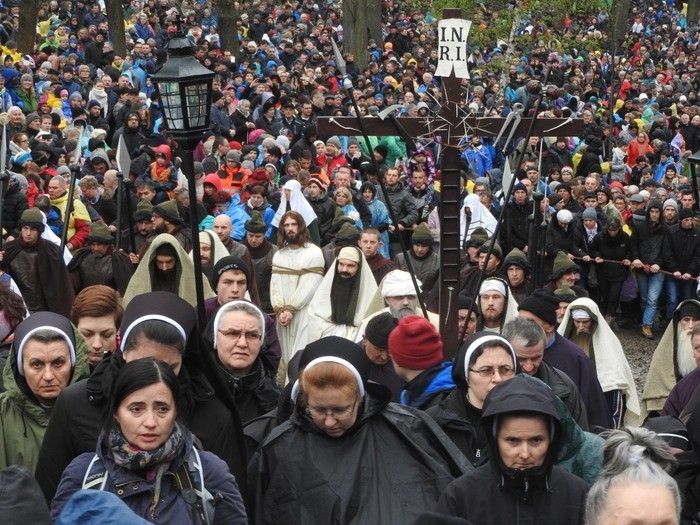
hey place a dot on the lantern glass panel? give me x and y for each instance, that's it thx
(172, 104)
(196, 97)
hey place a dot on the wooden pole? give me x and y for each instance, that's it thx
(450, 188)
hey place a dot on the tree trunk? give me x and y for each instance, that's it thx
(375, 24)
(356, 16)
(693, 12)
(27, 26)
(620, 11)
(228, 31)
(115, 18)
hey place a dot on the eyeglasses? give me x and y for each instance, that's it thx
(336, 413)
(250, 337)
(489, 371)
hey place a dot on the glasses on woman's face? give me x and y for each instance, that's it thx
(337, 413)
(489, 371)
(250, 337)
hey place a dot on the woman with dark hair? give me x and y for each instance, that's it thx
(144, 447)
(520, 483)
(159, 325)
(12, 312)
(483, 361)
(346, 454)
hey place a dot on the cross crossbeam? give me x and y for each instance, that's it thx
(452, 125)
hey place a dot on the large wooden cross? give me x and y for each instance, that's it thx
(451, 126)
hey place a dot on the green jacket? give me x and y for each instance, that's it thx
(396, 147)
(23, 420)
(30, 103)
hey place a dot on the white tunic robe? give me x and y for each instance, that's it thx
(296, 275)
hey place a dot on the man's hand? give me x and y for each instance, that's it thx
(285, 317)
(637, 263)
(134, 258)
(654, 268)
(69, 246)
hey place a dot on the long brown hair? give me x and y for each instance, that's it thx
(12, 305)
(304, 234)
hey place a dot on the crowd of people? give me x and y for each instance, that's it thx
(316, 387)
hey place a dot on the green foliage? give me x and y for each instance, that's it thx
(543, 13)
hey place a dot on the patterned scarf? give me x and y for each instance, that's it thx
(590, 233)
(155, 462)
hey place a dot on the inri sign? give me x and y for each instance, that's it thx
(452, 47)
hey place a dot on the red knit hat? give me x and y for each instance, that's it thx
(415, 344)
(259, 176)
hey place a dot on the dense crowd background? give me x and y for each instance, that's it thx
(316, 389)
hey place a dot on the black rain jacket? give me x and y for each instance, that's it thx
(388, 468)
(494, 494)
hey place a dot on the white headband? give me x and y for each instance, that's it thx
(493, 285)
(151, 317)
(228, 307)
(330, 359)
(480, 341)
(23, 342)
(580, 314)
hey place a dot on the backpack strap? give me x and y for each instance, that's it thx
(190, 481)
(95, 475)
(207, 500)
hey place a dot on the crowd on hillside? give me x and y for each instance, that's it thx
(313, 387)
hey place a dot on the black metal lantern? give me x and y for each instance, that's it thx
(184, 86)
